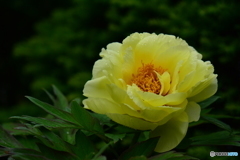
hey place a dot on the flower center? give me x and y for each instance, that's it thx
(146, 78)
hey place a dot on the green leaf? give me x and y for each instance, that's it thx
(12, 128)
(104, 119)
(184, 157)
(78, 100)
(7, 140)
(61, 102)
(53, 110)
(83, 148)
(235, 136)
(165, 156)
(52, 123)
(123, 129)
(56, 155)
(144, 135)
(100, 158)
(26, 154)
(172, 155)
(215, 143)
(218, 116)
(218, 123)
(68, 134)
(27, 157)
(51, 97)
(4, 152)
(29, 142)
(208, 101)
(84, 118)
(115, 137)
(192, 124)
(54, 141)
(144, 148)
(205, 111)
(217, 138)
(30, 129)
(216, 135)
(138, 158)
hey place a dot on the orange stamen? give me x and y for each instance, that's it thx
(146, 78)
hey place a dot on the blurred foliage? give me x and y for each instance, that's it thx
(17, 21)
(68, 43)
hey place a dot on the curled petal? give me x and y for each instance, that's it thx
(205, 90)
(165, 81)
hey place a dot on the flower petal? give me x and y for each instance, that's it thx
(148, 99)
(102, 106)
(165, 81)
(132, 122)
(120, 96)
(193, 111)
(160, 116)
(171, 57)
(205, 90)
(97, 88)
(110, 63)
(202, 71)
(171, 133)
(111, 47)
(132, 40)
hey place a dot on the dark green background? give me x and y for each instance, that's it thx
(57, 42)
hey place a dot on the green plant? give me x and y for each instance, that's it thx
(71, 132)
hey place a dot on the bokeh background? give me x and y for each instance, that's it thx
(57, 42)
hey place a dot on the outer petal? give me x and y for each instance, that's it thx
(97, 88)
(200, 73)
(111, 63)
(102, 106)
(171, 133)
(193, 111)
(111, 47)
(208, 89)
(158, 115)
(132, 122)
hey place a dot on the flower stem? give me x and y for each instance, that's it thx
(104, 148)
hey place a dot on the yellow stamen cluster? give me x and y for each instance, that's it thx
(146, 78)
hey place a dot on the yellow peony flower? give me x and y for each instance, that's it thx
(151, 82)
